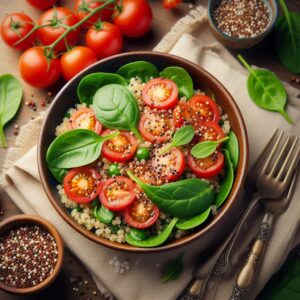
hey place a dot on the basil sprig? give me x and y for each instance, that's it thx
(206, 148)
(181, 137)
(173, 269)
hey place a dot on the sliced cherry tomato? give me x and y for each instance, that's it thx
(160, 93)
(170, 165)
(206, 167)
(55, 17)
(156, 127)
(42, 4)
(205, 108)
(120, 148)
(210, 131)
(185, 115)
(169, 4)
(85, 118)
(142, 213)
(117, 193)
(82, 184)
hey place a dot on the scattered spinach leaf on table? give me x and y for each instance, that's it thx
(186, 224)
(89, 85)
(266, 90)
(182, 79)
(182, 199)
(116, 108)
(232, 146)
(141, 69)
(287, 33)
(206, 148)
(10, 100)
(173, 269)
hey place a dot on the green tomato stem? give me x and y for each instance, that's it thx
(287, 117)
(137, 134)
(2, 137)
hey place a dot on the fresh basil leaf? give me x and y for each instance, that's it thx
(116, 108)
(181, 137)
(10, 100)
(287, 34)
(173, 269)
(206, 148)
(152, 241)
(182, 199)
(89, 85)
(182, 79)
(266, 90)
(232, 146)
(142, 69)
(227, 182)
(186, 224)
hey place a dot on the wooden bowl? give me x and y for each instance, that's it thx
(217, 228)
(16, 221)
(241, 43)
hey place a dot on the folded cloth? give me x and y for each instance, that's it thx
(190, 39)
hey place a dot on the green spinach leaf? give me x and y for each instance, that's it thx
(152, 241)
(141, 69)
(139, 234)
(89, 85)
(116, 108)
(227, 182)
(186, 224)
(181, 137)
(58, 173)
(232, 146)
(266, 90)
(206, 148)
(182, 79)
(10, 100)
(182, 199)
(173, 269)
(287, 33)
(103, 214)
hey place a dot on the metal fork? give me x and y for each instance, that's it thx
(272, 181)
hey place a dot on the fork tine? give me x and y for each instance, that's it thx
(269, 158)
(287, 159)
(292, 167)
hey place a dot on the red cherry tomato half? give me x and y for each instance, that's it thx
(82, 184)
(75, 60)
(106, 41)
(206, 167)
(14, 27)
(36, 70)
(170, 165)
(210, 131)
(185, 115)
(205, 108)
(160, 93)
(135, 19)
(42, 4)
(85, 118)
(156, 127)
(83, 7)
(142, 213)
(169, 4)
(58, 15)
(117, 193)
(121, 148)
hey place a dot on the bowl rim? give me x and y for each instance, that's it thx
(174, 244)
(23, 219)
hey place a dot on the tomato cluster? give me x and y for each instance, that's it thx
(57, 32)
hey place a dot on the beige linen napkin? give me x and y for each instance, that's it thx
(142, 282)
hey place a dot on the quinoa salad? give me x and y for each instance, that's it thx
(145, 157)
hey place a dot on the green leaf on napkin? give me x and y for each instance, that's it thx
(173, 269)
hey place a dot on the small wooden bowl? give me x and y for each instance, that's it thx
(16, 221)
(241, 43)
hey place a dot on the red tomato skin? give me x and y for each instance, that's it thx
(47, 35)
(217, 130)
(184, 114)
(34, 68)
(170, 102)
(10, 37)
(135, 19)
(75, 60)
(169, 4)
(42, 4)
(106, 41)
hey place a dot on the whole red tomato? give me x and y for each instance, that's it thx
(169, 4)
(83, 7)
(135, 18)
(37, 70)
(105, 41)
(75, 60)
(41, 4)
(56, 17)
(14, 27)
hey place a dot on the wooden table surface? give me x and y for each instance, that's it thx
(74, 275)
